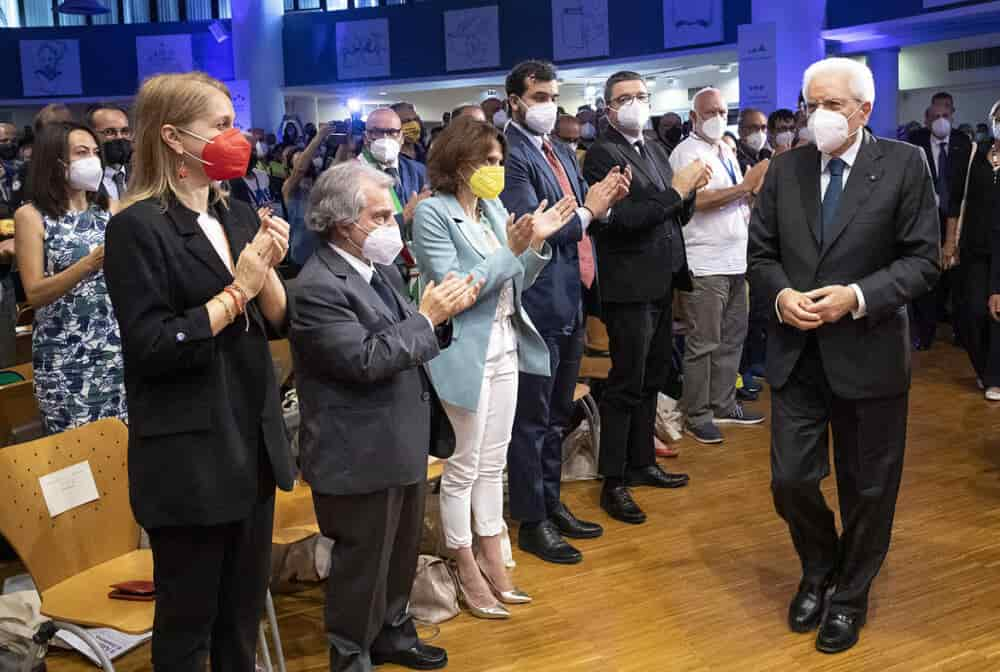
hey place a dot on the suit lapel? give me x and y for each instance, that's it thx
(809, 190)
(339, 266)
(470, 230)
(865, 174)
(197, 242)
(631, 156)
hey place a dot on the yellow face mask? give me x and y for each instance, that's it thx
(411, 131)
(487, 182)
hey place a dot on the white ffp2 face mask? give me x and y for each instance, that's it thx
(784, 139)
(756, 141)
(830, 129)
(541, 117)
(714, 128)
(86, 174)
(385, 150)
(941, 128)
(634, 116)
(383, 245)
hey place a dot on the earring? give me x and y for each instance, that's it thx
(182, 171)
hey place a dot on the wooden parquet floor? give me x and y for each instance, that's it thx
(703, 586)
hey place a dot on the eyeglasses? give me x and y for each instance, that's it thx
(379, 133)
(112, 133)
(833, 105)
(622, 101)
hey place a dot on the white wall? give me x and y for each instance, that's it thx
(675, 98)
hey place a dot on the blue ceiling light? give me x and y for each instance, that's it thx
(85, 7)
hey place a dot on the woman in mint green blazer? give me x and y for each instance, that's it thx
(464, 229)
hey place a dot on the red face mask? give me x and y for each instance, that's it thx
(225, 156)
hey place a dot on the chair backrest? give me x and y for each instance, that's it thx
(22, 345)
(597, 335)
(295, 508)
(18, 409)
(281, 353)
(54, 549)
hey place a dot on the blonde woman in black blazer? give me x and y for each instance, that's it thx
(191, 276)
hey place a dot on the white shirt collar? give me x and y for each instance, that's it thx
(536, 140)
(848, 157)
(632, 139)
(365, 270)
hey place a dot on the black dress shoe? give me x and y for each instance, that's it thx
(839, 631)
(806, 608)
(571, 526)
(618, 503)
(654, 476)
(420, 657)
(545, 541)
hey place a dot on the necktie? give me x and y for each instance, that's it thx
(832, 197)
(397, 184)
(583, 248)
(385, 293)
(943, 168)
(119, 180)
(640, 147)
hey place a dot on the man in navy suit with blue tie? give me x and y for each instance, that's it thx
(538, 169)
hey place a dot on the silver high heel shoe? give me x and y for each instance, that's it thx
(514, 596)
(495, 612)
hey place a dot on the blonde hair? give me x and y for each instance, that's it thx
(176, 99)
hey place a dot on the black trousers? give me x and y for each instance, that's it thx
(927, 310)
(544, 410)
(869, 436)
(211, 583)
(376, 542)
(978, 333)
(755, 346)
(640, 337)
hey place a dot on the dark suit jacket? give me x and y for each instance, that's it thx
(553, 302)
(368, 410)
(634, 246)
(205, 423)
(885, 239)
(959, 147)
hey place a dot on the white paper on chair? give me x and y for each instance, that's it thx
(114, 643)
(68, 488)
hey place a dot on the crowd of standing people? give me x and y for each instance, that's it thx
(436, 290)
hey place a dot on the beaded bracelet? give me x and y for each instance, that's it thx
(225, 306)
(237, 290)
(237, 299)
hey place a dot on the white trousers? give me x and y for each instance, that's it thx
(472, 482)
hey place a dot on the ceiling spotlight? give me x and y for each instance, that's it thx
(353, 104)
(383, 93)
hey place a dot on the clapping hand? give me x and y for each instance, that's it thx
(411, 205)
(691, 177)
(519, 233)
(455, 294)
(548, 222)
(278, 230)
(613, 188)
(254, 264)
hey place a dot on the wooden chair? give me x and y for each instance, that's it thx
(22, 345)
(281, 354)
(597, 340)
(25, 315)
(76, 556)
(19, 416)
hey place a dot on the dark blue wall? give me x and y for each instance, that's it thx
(842, 14)
(416, 34)
(107, 54)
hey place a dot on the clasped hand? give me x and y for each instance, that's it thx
(809, 310)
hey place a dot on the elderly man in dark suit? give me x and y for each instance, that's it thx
(640, 259)
(537, 170)
(369, 414)
(845, 234)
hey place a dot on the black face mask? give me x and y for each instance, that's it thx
(673, 135)
(8, 151)
(117, 152)
(253, 162)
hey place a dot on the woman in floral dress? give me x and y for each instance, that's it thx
(76, 347)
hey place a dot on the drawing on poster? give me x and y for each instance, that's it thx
(687, 23)
(579, 29)
(156, 54)
(50, 67)
(472, 38)
(363, 49)
(239, 89)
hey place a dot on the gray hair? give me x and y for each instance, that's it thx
(338, 196)
(706, 90)
(860, 78)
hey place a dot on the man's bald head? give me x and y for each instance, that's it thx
(8, 132)
(384, 117)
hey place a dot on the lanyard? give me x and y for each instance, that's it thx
(396, 203)
(728, 165)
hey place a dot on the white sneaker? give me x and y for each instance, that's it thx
(993, 394)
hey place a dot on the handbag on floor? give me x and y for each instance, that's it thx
(434, 596)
